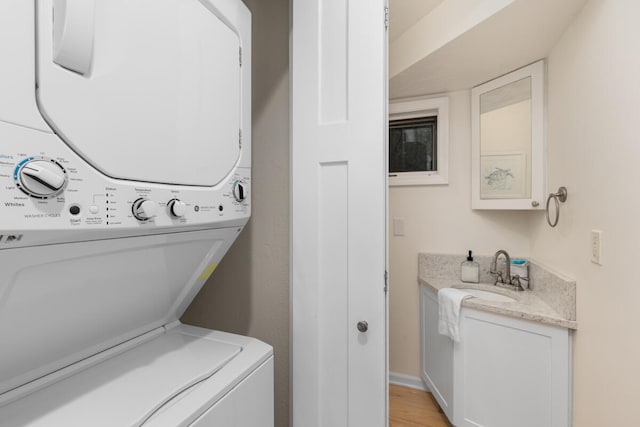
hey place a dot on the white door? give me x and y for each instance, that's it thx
(338, 195)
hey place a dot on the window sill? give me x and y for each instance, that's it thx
(416, 178)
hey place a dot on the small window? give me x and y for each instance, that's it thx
(413, 145)
(418, 141)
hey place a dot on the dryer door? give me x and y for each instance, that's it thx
(144, 90)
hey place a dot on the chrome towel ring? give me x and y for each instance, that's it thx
(560, 196)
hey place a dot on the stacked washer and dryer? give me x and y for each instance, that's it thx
(125, 176)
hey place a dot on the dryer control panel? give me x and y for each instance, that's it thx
(56, 191)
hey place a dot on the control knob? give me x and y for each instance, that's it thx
(177, 208)
(41, 178)
(240, 191)
(144, 209)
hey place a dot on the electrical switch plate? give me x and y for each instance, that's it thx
(596, 247)
(398, 226)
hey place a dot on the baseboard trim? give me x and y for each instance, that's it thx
(407, 381)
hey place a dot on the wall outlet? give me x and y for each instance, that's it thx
(596, 247)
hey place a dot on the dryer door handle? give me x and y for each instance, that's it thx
(73, 34)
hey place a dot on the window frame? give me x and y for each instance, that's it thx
(416, 108)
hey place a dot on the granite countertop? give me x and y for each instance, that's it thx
(527, 306)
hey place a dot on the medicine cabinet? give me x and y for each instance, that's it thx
(508, 141)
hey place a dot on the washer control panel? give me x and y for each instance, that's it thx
(56, 190)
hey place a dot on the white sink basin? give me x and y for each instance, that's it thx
(488, 295)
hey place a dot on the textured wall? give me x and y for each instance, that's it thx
(249, 292)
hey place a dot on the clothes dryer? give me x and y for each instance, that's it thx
(125, 176)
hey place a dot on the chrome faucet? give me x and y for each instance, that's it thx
(494, 268)
(513, 282)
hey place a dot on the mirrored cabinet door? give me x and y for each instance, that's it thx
(508, 141)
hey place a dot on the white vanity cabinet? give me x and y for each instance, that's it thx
(504, 372)
(436, 353)
(510, 372)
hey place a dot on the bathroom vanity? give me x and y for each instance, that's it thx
(512, 366)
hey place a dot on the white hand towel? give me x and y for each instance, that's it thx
(449, 301)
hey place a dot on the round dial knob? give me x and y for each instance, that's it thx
(41, 177)
(177, 208)
(240, 190)
(144, 209)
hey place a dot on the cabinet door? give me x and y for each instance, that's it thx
(508, 146)
(510, 372)
(437, 353)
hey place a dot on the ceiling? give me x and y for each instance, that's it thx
(451, 46)
(403, 14)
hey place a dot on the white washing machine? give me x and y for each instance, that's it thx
(125, 176)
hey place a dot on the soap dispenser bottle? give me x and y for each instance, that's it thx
(470, 270)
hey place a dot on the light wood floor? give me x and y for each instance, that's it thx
(414, 408)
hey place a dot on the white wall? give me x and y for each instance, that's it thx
(594, 148)
(439, 219)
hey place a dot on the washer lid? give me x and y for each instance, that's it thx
(145, 90)
(126, 389)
